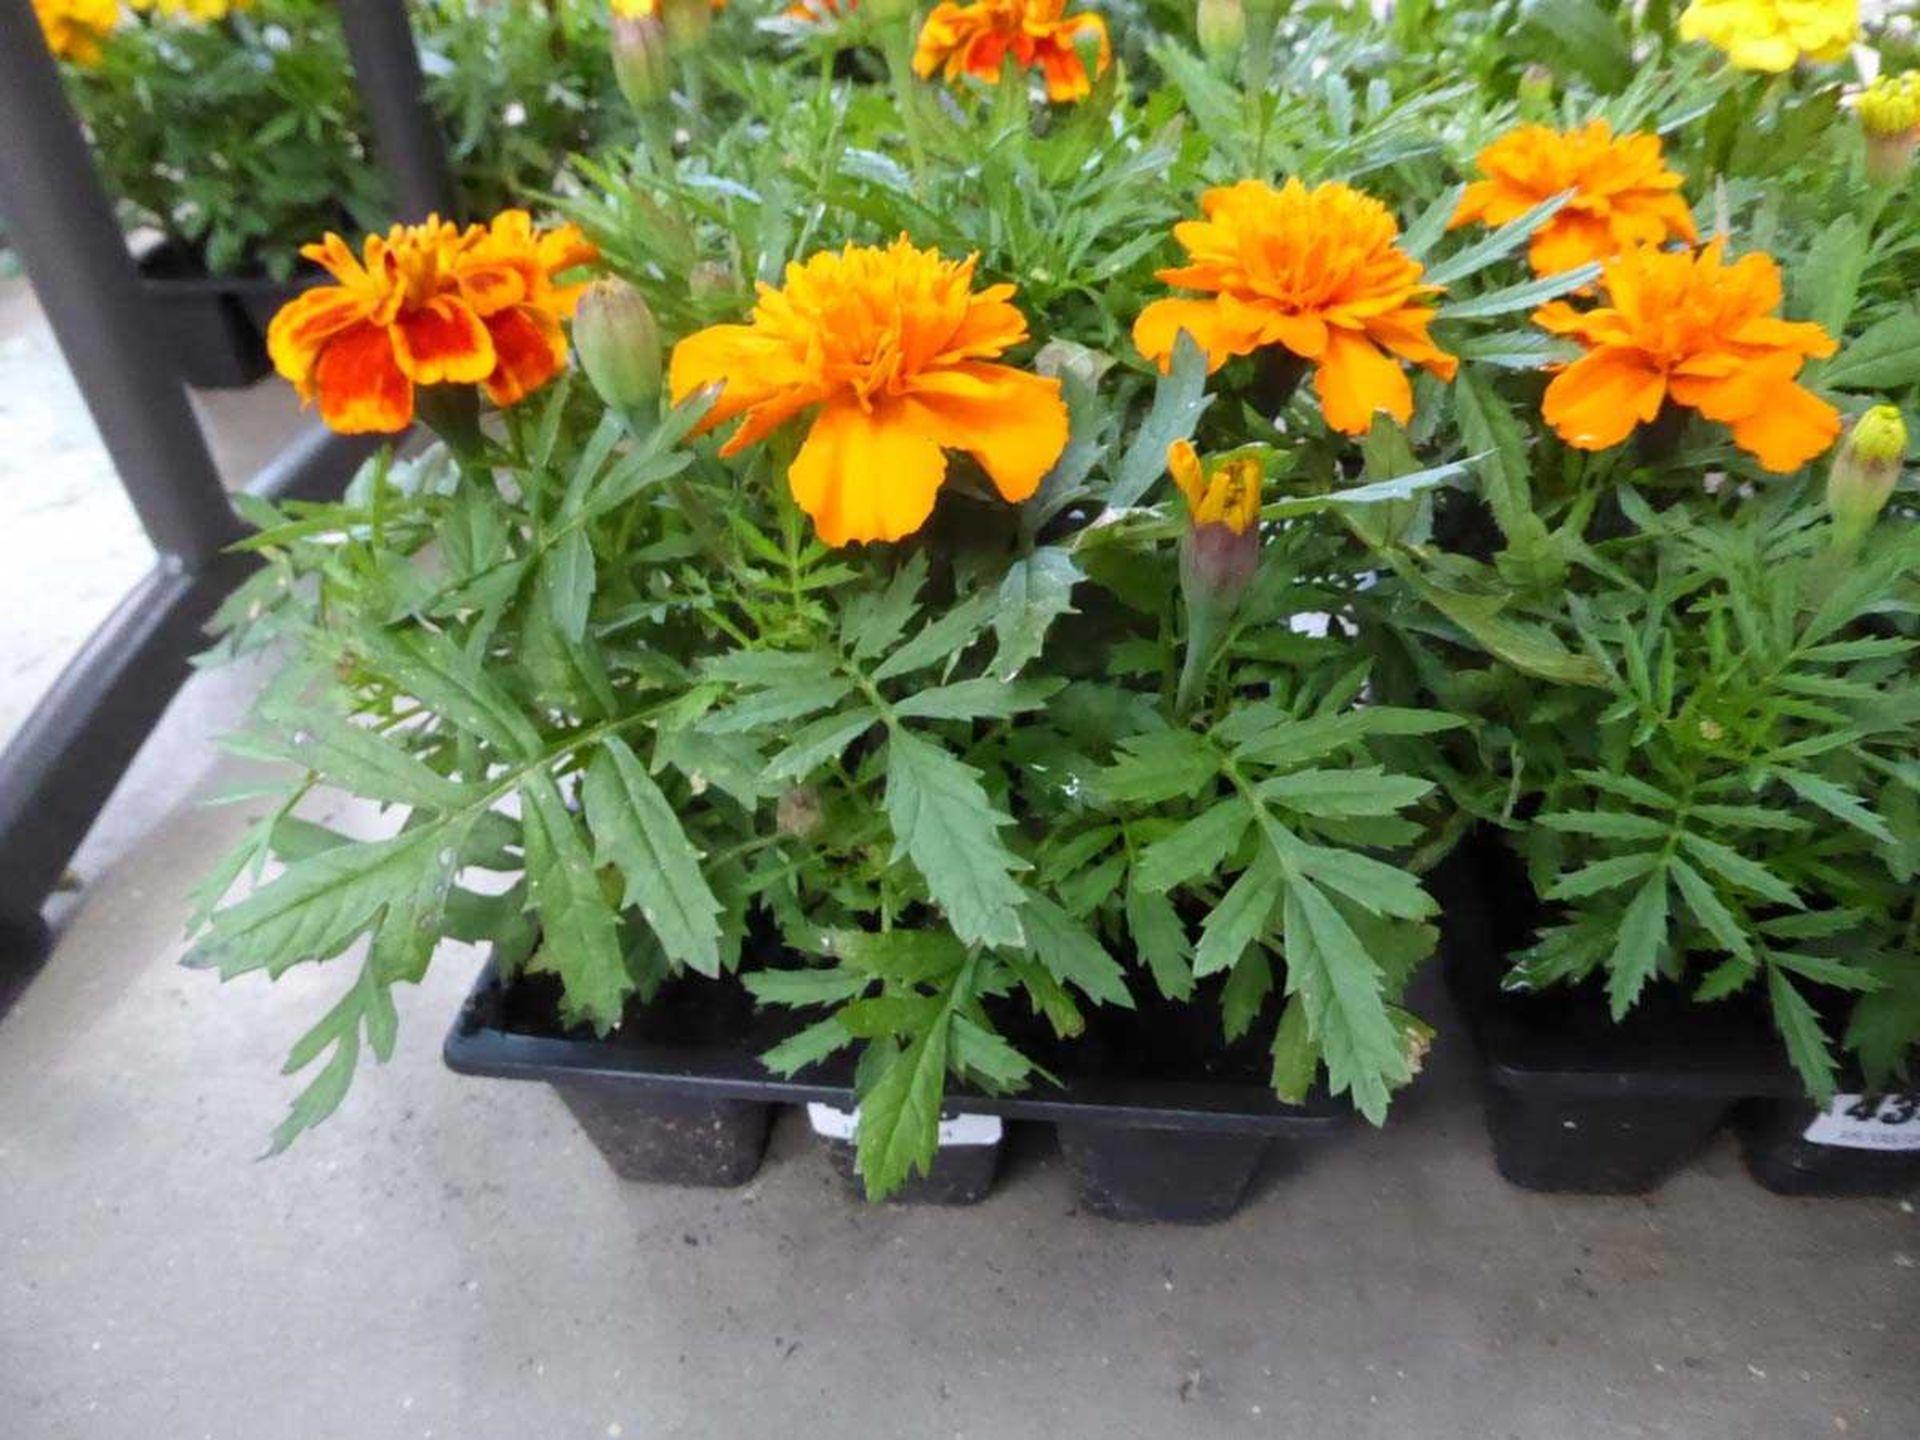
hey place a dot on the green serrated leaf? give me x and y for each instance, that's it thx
(1072, 955)
(899, 1126)
(1806, 1042)
(1738, 870)
(1158, 766)
(1242, 917)
(1710, 910)
(635, 831)
(579, 939)
(1179, 400)
(1160, 939)
(1636, 950)
(1036, 591)
(1198, 847)
(943, 821)
(1339, 985)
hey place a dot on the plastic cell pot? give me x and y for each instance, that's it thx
(1156, 1125)
(963, 1169)
(1860, 1145)
(1576, 1101)
(216, 325)
(670, 1139)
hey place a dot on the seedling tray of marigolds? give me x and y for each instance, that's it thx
(1157, 1120)
(1031, 547)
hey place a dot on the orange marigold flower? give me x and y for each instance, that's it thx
(819, 11)
(430, 305)
(1623, 193)
(976, 38)
(1694, 330)
(1316, 272)
(75, 28)
(894, 348)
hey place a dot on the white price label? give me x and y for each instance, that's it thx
(833, 1123)
(1869, 1122)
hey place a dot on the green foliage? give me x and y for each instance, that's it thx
(949, 793)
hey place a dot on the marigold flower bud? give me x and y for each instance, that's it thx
(1535, 92)
(618, 343)
(1220, 551)
(1864, 471)
(688, 22)
(1889, 112)
(799, 812)
(641, 63)
(1222, 29)
(712, 279)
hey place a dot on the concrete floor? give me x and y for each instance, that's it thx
(449, 1257)
(70, 545)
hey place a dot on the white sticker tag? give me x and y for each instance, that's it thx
(833, 1123)
(1869, 1122)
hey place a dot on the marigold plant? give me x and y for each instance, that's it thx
(1315, 272)
(1623, 193)
(978, 37)
(1696, 331)
(429, 304)
(897, 351)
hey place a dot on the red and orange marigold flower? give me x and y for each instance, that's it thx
(1316, 272)
(976, 39)
(429, 305)
(1623, 193)
(1696, 331)
(891, 351)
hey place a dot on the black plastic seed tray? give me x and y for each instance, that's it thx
(677, 1094)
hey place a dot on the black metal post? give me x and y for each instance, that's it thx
(63, 227)
(69, 755)
(406, 138)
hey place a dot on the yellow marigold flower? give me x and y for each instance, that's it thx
(891, 350)
(75, 28)
(1223, 492)
(1773, 35)
(1694, 330)
(1316, 272)
(976, 38)
(1890, 107)
(1624, 195)
(199, 12)
(648, 9)
(430, 304)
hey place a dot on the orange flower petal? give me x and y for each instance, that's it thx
(1790, 427)
(491, 287)
(442, 343)
(303, 326)
(1013, 423)
(1355, 380)
(866, 475)
(1597, 400)
(1156, 327)
(530, 349)
(1183, 463)
(362, 391)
